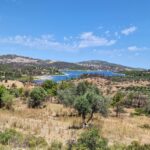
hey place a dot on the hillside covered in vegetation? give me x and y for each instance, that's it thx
(89, 113)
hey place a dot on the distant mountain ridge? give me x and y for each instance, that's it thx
(21, 59)
(104, 65)
(91, 64)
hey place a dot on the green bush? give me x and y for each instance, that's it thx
(2, 90)
(64, 85)
(55, 145)
(37, 96)
(16, 92)
(50, 86)
(133, 146)
(7, 100)
(67, 96)
(91, 140)
(117, 102)
(137, 146)
(144, 110)
(10, 136)
(139, 111)
(145, 126)
(16, 139)
(147, 108)
(32, 141)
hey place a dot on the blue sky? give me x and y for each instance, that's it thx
(75, 30)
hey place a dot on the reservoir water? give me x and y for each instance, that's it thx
(73, 74)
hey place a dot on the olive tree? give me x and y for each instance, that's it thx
(86, 99)
(117, 102)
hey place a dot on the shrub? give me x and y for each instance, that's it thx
(7, 100)
(55, 145)
(16, 139)
(64, 85)
(2, 90)
(117, 102)
(145, 126)
(91, 140)
(26, 93)
(144, 110)
(67, 96)
(133, 146)
(50, 86)
(37, 96)
(147, 108)
(136, 146)
(16, 92)
(32, 141)
(10, 136)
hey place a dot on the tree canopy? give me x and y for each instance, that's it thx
(85, 98)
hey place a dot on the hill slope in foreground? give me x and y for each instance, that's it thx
(92, 64)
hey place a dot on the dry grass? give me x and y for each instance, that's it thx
(53, 123)
(10, 83)
(125, 130)
(110, 87)
(40, 122)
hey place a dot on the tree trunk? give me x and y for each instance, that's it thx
(117, 111)
(83, 121)
(91, 116)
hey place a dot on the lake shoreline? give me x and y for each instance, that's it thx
(73, 74)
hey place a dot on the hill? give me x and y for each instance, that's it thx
(21, 61)
(104, 65)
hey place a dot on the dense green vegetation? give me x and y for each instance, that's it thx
(25, 72)
(132, 75)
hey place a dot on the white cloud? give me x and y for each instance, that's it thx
(48, 42)
(135, 48)
(129, 30)
(88, 39)
(45, 42)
